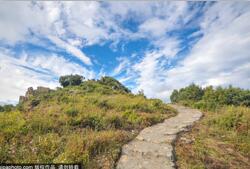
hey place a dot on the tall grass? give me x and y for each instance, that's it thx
(222, 140)
(87, 123)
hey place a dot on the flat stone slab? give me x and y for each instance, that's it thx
(145, 148)
(138, 161)
(153, 147)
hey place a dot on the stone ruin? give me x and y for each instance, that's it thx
(31, 92)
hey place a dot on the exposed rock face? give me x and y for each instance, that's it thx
(22, 99)
(31, 92)
(41, 89)
(153, 147)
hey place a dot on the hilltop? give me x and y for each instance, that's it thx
(85, 121)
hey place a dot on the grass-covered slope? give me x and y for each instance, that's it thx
(87, 123)
(222, 138)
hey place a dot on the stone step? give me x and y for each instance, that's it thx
(138, 161)
(148, 149)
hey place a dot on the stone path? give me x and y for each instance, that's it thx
(153, 147)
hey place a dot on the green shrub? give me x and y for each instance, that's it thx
(132, 117)
(1, 109)
(114, 84)
(148, 120)
(74, 150)
(6, 108)
(210, 98)
(72, 112)
(34, 102)
(200, 105)
(20, 107)
(11, 122)
(64, 99)
(48, 146)
(233, 123)
(230, 118)
(94, 122)
(229, 122)
(157, 103)
(40, 125)
(103, 104)
(114, 121)
(71, 80)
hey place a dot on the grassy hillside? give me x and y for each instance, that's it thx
(222, 138)
(87, 122)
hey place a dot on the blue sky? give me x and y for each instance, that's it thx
(151, 46)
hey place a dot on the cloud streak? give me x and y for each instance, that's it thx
(71, 49)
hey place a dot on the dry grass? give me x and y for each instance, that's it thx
(87, 123)
(221, 140)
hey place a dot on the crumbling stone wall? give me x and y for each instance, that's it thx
(31, 92)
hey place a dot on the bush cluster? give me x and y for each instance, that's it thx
(6, 108)
(225, 125)
(210, 98)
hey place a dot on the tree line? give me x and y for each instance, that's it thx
(6, 108)
(211, 97)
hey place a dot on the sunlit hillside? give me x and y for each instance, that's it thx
(87, 122)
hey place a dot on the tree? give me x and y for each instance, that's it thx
(71, 80)
(194, 92)
(114, 84)
(210, 97)
(174, 96)
(190, 93)
(245, 97)
(1, 108)
(6, 108)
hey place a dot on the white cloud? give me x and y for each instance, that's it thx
(67, 24)
(122, 66)
(19, 73)
(42, 19)
(166, 17)
(18, 19)
(154, 27)
(58, 66)
(15, 82)
(220, 57)
(124, 79)
(86, 20)
(87, 23)
(71, 49)
(167, 46)
(149, 73)
(11, 28)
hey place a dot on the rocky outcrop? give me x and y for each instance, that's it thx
(31, 92)
(153, 148)
(41, 89)
(22, 99)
